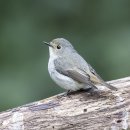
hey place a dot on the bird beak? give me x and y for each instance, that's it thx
(47, 43)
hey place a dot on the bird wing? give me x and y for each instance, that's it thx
(80, 77)
(67, 69)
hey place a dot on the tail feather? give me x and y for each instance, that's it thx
(110, 86)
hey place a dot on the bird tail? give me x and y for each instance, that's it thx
(110, 86)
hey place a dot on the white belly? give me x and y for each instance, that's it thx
(62, 80)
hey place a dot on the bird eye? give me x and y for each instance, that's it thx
(58, 47)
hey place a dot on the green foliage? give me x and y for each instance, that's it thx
(99, 30)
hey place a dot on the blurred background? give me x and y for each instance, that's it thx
(98, 29)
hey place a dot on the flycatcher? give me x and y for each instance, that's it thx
(69, 70)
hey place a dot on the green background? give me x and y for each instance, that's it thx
(98, 29)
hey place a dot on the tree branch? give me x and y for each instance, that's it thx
(79, 111)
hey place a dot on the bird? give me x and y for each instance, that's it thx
(69, 70)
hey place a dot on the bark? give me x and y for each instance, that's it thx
(79, 111)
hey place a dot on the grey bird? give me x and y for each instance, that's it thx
(69, 70)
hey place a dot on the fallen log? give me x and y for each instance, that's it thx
(79, 111)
